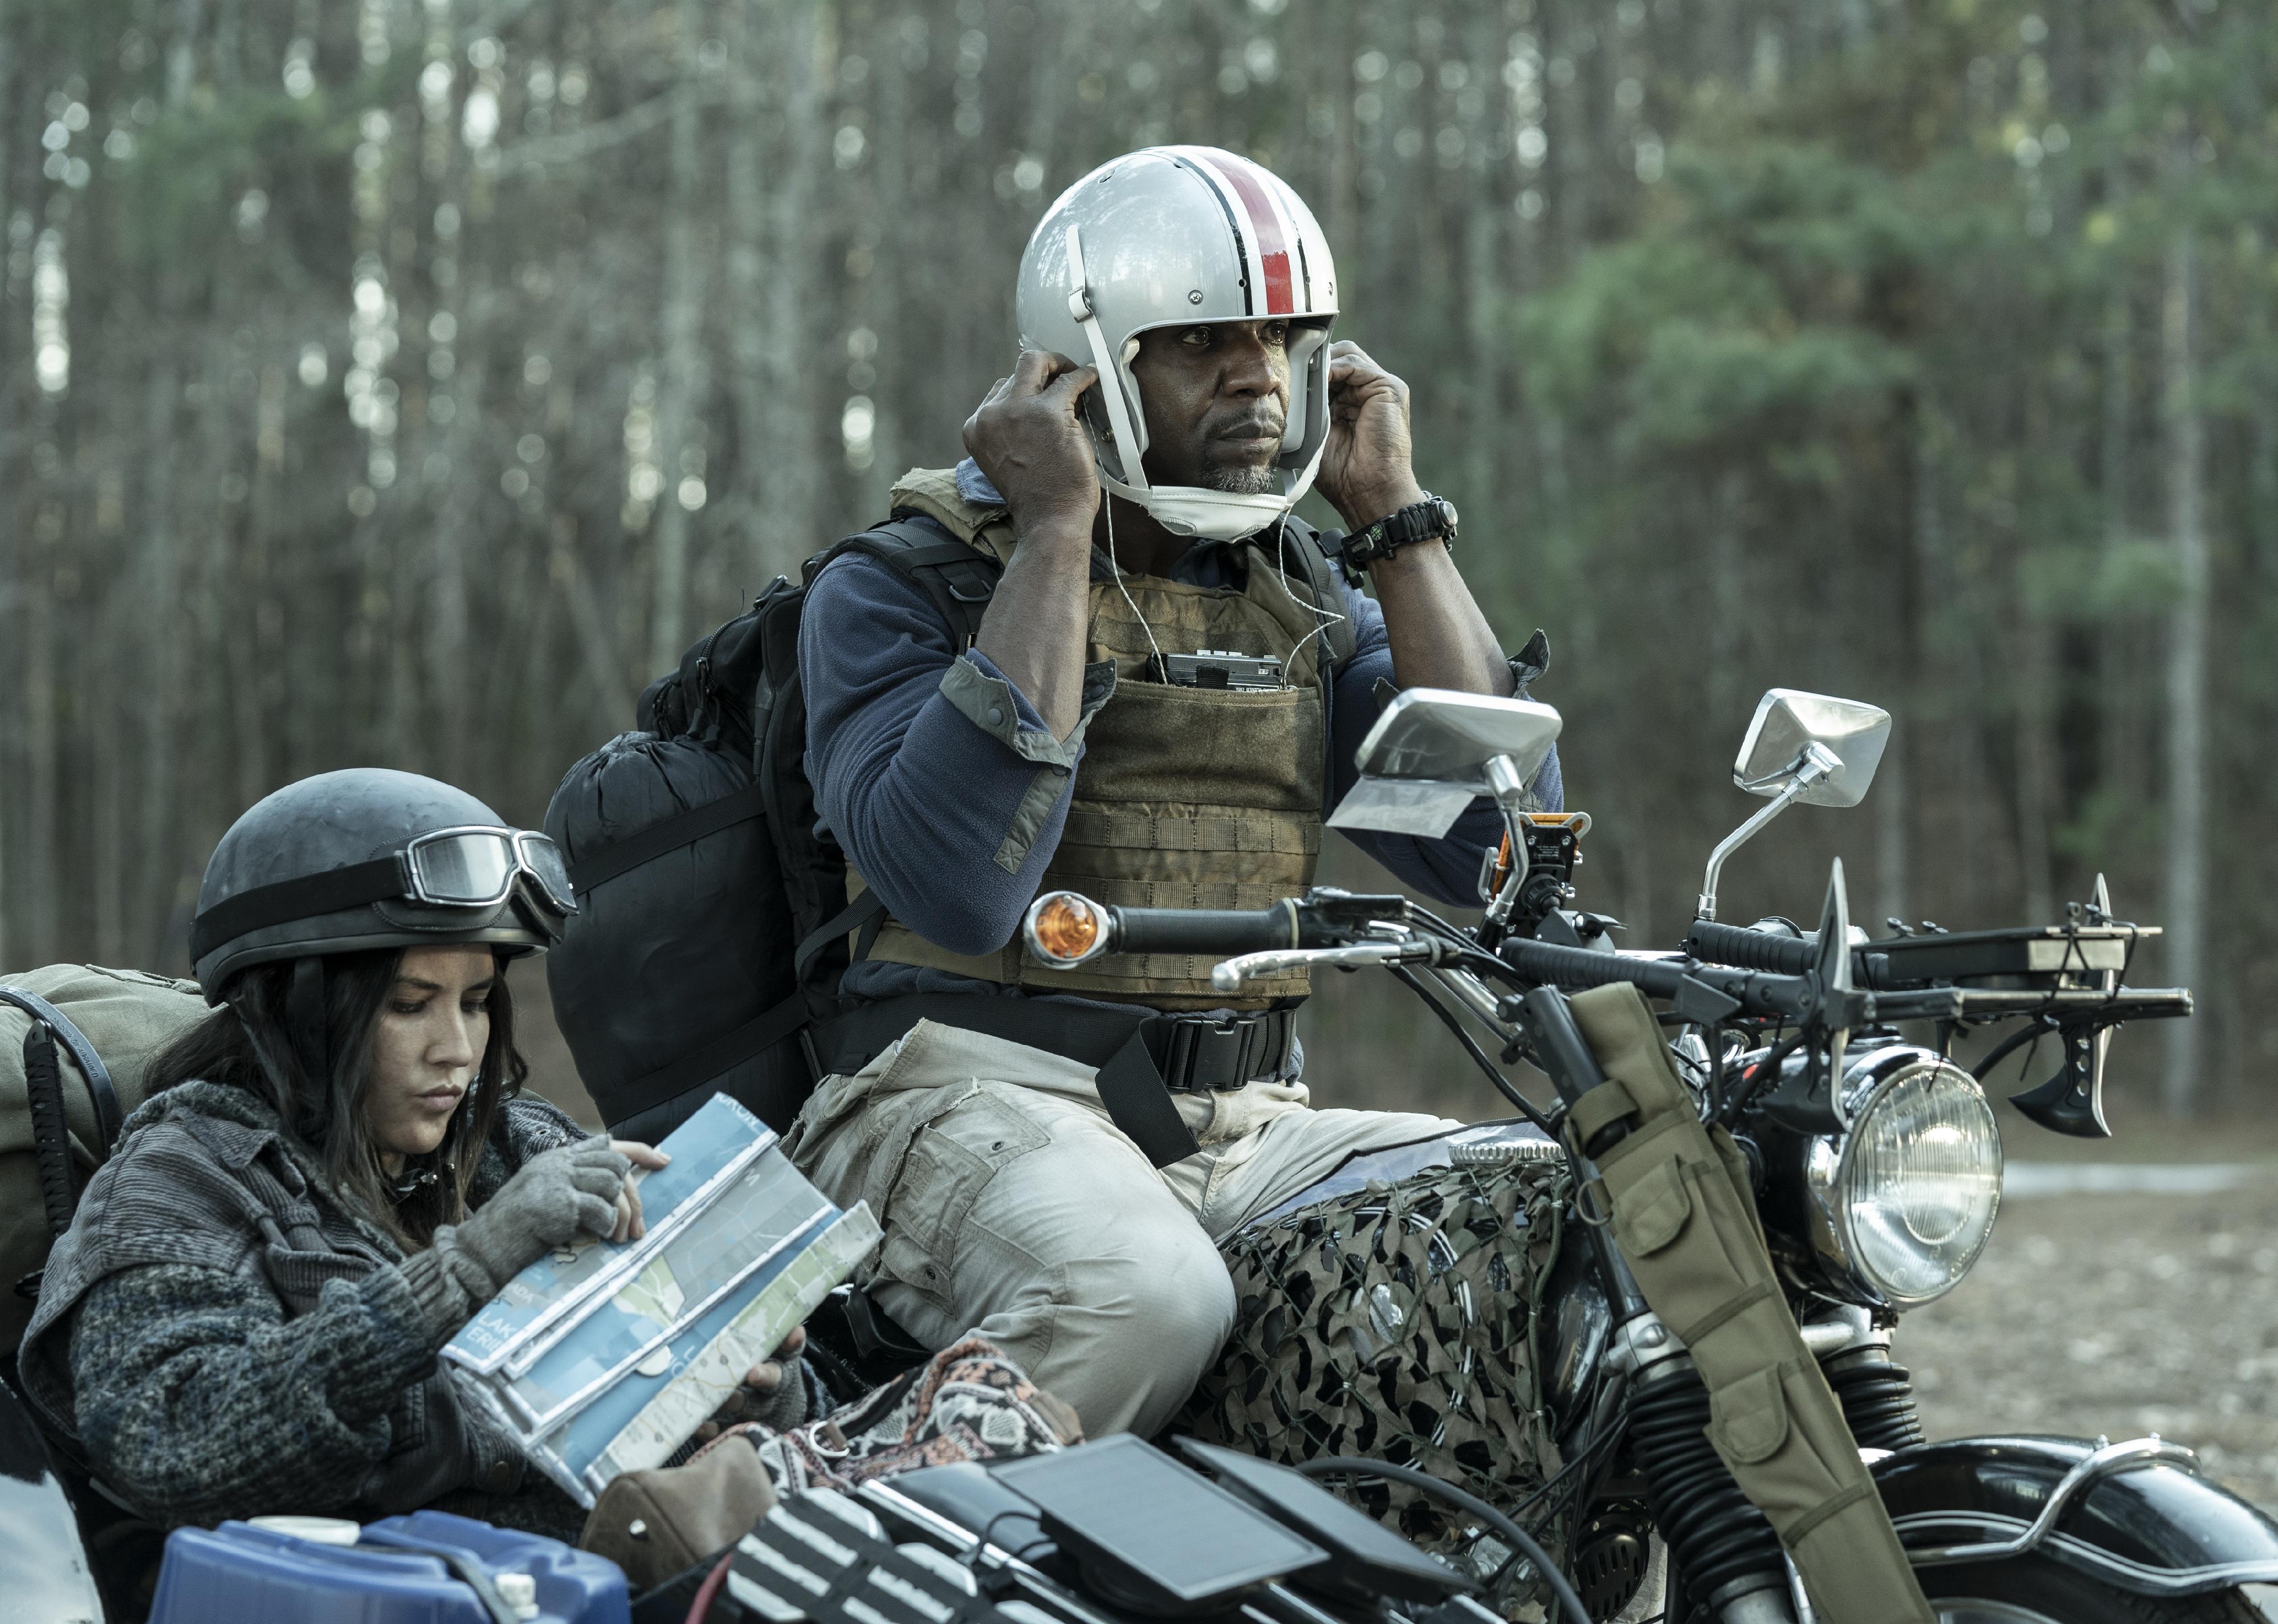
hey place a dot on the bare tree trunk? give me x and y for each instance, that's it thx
(2035, 763)
(2184, 451)
(891, 372)
(41, 776)
(161, 621)
(745, 260)
(106, 823)
(1894, 803)
(1728, 597)
(595, 641)
(11, 557)
(159, 880)
(240, 568)
(681, 390)
(2036, 789)
(2119, 751)
(787, 437)
(182, 55)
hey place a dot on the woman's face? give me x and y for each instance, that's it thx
(427, 1045)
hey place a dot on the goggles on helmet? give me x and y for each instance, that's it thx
(470, 867)
(478, 867)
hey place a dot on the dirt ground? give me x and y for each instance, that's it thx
(2120, 1314)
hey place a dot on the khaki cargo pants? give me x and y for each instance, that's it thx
(1014, 1209)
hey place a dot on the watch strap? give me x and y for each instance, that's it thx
(1433, 517)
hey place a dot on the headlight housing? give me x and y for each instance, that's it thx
(1904, 1203)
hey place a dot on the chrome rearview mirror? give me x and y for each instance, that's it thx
(1434, 750)
(1788, 723)
(1800, 747)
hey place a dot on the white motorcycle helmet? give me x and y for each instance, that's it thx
(1168, 237)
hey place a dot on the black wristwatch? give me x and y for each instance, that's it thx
(1434, 516)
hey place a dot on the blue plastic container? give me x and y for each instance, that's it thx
(406, 1570)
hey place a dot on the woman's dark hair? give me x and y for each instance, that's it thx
(245, 1045)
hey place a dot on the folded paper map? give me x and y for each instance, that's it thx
(605, 1357)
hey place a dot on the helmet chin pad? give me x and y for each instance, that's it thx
(1204, 513)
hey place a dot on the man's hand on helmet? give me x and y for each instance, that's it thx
(1027, 438)
(1365, 470)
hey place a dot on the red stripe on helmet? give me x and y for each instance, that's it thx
(1265, 231)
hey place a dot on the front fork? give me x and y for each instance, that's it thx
(1722, 1551)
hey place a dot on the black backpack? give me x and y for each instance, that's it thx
(711, 917)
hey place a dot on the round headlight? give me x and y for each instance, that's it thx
(1915, 1183)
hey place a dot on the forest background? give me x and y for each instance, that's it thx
(407, 382)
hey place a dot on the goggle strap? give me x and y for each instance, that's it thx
(335, 891)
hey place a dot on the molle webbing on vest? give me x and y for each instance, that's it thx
(1187, 797)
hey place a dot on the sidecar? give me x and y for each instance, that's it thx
(68, 1556)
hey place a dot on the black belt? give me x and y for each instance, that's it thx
(1142, 1056)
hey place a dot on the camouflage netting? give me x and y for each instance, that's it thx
(1397, 1323)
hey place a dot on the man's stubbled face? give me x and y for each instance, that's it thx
(1217, 400)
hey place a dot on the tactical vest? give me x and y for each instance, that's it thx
(1187, 797)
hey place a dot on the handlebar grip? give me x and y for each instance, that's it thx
(1548, 963)
(1756, 950)
(1216, 933)
(1749, 950)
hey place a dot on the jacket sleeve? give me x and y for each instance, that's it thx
(1446, 869)
(197, 1399)
(938, 777)
(531, 1126)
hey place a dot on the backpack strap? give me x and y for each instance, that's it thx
(604, 864)
(960, 578)
(107, 1115)
(43, 1094)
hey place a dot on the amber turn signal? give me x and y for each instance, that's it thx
(1064, 927)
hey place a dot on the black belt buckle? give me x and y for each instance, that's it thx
(1222, 1056)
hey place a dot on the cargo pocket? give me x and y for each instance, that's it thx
(949, 1162)
(1732, 1220)
(1653, 1212)
(1747, 1420)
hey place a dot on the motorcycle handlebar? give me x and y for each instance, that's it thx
(1067, 928)
(1549, 965)
(1756, 950)
(1215, 933)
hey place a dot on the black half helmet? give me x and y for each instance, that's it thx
(368, 858)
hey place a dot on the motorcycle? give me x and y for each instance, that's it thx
(1875, 1158)
(1877, 1171)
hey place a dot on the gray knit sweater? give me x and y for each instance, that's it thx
(219, 1336)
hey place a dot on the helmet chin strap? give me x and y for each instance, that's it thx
(1183, 510)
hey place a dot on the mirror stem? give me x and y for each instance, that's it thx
(1511, 795)
(1817, 761)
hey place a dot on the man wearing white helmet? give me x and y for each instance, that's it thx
(1055, 1154)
